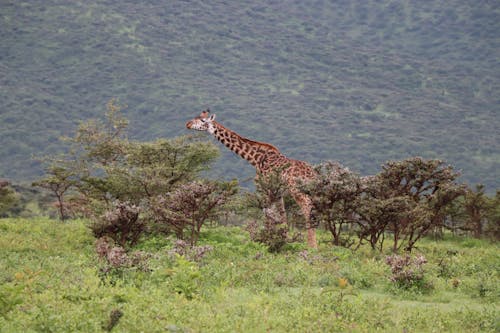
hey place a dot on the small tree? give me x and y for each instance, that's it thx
(475, 207)
(58, 180)
(375, 212)
(185, 209)
(335, 194)
(8, 197)
(474, 212)
(493, 217)
(423, 190)
(153, 168)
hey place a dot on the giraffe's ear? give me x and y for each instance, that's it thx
(212, 117)
(204, 114)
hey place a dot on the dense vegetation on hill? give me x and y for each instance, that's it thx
(360, 82)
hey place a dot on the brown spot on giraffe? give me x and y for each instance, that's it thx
(265, 158)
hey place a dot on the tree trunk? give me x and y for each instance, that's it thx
(61, 207)
(396, 238)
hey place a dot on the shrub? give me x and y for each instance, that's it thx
(408, 273)
(122, 224)
(114, 318)
(185, 277)
(194, 253)
(8, 197)
(356, 274)
(116, 257)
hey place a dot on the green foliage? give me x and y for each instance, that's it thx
(154, 168)
(59, 178)
(10, 297)
(51, 281)
(8, 197)
(102, 165)
(361, 82)
(476, 213)
(111, 179)
(493, 227)
(185, 277)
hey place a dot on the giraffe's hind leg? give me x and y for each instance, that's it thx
(306, 207)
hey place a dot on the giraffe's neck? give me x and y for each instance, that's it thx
(262, 156)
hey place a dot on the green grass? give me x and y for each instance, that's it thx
(50, 281)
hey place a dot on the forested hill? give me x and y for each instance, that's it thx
(360, 82)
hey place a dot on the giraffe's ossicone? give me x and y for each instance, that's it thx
(265, 158)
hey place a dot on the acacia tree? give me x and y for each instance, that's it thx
(59, 178)
(474, 212)
(185, 209)
(153, 168)
(335, 194)
(376, 211)
(104, 165)
(475, 206)
(426, 188)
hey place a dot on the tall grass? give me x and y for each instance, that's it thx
(51, 281)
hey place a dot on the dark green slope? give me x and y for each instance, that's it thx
(356, 81)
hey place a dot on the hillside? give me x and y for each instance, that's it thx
(360, 82)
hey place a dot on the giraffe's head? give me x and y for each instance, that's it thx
(204, 122)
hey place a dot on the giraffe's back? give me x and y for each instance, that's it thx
(299, 170)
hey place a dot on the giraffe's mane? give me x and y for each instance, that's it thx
(252, 142)
(264, 144)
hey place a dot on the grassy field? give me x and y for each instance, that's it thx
(51, 280)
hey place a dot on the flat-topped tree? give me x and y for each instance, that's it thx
(265, 158)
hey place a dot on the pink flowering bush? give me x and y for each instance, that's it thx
(121, 223)
(408, 272)
(188, 251)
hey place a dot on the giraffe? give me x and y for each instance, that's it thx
(265, 158)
